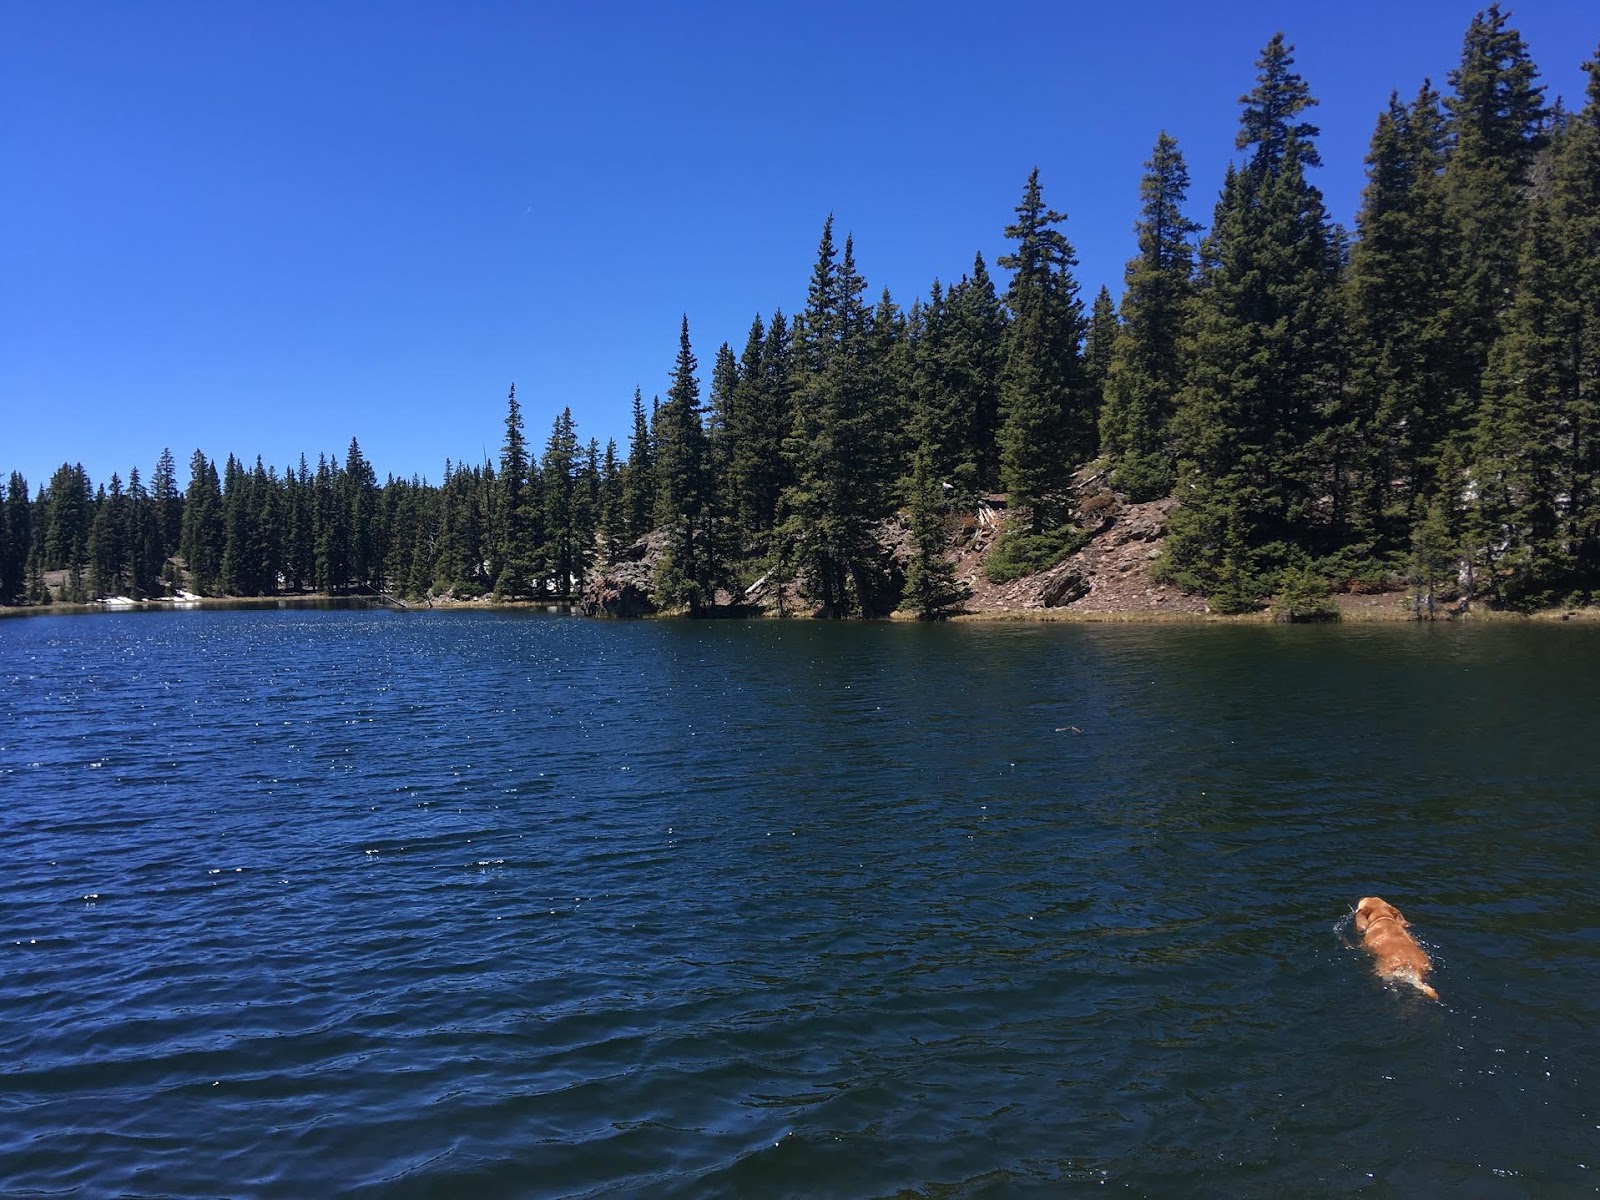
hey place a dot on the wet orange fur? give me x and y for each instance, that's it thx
(1395, 952)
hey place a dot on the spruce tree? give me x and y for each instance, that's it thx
(238, 517)
(639, 477)
(16, 521)
(164, 494)
(1147, 365)
(202, 535)
(1495, 130)
(69, 516)
(512, 564)
(1049, 422)
(831, 449)
(974, 351)
(587, 504)
(1402, 271)
(1577, 207)
(366, 531)
(688, 573)
(931, 589)
(1098, 345)
(1264, 364)
(612, 522)
(1530, 431)
(558, 488)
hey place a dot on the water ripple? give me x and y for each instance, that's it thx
(419, 904)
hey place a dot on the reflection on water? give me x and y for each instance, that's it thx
(511, 904)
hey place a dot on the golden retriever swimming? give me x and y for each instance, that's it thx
(1396, 953)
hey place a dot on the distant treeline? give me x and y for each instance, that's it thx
(1417, 402)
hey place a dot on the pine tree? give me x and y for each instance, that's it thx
(236, 512)
(723, 429)
(688, 573)
(69, 517)
(1099, 343)
(931, 589)
(828, 507)
(1577, 206)
(513, 559)
(300, 527)
(587, 502)
(612, 521)
(760, 416)
(366, 532)
(1402, 271)
(144, 539)
(1147, 366)
(1527, 428)
(1495, 129)
(168, 500)
(202, 535)
(639, 477)
(1048, 420)
(105, 578)
(16, 540)
(558, 488)
(1268, 126)
(973, 355)
(1264, 365)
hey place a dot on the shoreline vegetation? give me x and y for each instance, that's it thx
(1280, 420)
(1390, 608)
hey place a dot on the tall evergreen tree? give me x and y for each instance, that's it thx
(366, 531)
(931, 589)
(832, 499)
(1048, 418)
(689, 573)
(559, 488)
(238, 577)
(639, 476)
(202, 536)
(1147, 364)
(69, 516)
(16, 540)
(513, 560)
(168, 500)
(1577, 206)
(1403, 346)
(1495, 128)
(973, 355)
(1264, 364)
(612, 521)
(1098, 346)
(1524, 431)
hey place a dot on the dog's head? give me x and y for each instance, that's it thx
(1373, 908)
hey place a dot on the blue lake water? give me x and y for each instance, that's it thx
(296, 903)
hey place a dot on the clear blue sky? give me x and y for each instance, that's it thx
(262, 228)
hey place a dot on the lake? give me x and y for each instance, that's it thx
(295, 903)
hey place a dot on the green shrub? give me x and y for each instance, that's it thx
(1303, 596)
(1020, 553)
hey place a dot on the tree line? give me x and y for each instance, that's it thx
(1416, 400)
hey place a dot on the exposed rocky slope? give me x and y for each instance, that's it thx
(1108, 575)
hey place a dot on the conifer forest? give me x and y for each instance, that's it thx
(1412, 403)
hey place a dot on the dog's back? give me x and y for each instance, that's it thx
(1384, 935)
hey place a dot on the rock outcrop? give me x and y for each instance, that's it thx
(626, 586)
(1109, 574)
